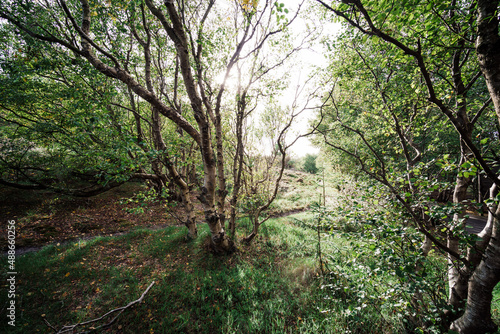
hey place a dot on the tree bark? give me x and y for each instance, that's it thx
(475, 254)
(457, 276)
(237, 163)
(488, 48)
(477, 316)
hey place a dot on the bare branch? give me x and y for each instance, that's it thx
(480, 111)
(84, 34)
(119, 310)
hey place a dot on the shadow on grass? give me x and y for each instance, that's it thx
(270, 286)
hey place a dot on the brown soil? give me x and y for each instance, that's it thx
(43, 218)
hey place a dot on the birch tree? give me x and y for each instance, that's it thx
(168, 56)
(450, 47)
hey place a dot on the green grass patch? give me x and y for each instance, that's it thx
(267, 287)
(273, 285)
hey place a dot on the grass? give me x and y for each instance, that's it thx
(268, 287)
(300, 190)
(271, 286)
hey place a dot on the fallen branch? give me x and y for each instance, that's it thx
(71, 328)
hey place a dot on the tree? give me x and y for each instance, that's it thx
(256, 172)
(448, 74)
(165, 58)
(263, 172)
(310, 164)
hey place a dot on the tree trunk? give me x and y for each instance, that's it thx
(457, 276)
(232, 220)
(220, 242)
(237, 164)
(426, 246)
(475, 254)
(190, 221)
(255, 219)
(477, 316)
(190, 215)
(159, 143)
(488, 48)
(215, 220)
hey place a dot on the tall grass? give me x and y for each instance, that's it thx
(274, 285)
(257, 290)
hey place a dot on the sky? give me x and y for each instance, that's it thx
(308, 59)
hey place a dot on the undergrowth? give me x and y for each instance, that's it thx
(274, 285)
(271, 286)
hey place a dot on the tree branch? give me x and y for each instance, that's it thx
(72, 328)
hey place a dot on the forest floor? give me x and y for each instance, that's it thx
(44, 218)
(99, 255)
(271, 286)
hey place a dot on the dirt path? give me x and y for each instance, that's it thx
(43, 218)
(35, 248)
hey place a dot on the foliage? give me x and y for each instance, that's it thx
(58, 128)
(385, 255)
(194, 291)
(310, 164)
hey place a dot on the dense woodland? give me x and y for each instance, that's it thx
(201, 103)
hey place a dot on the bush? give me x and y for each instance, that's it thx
(310, 164)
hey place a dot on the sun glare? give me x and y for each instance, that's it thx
(231, 82)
